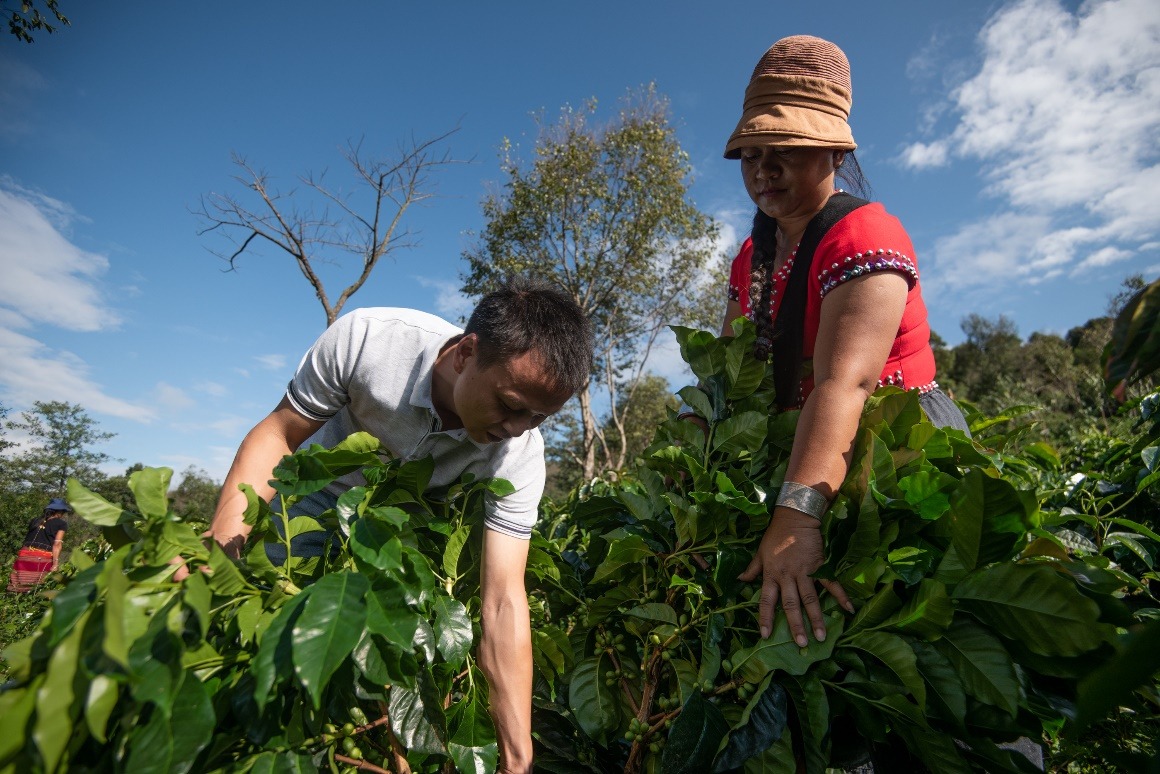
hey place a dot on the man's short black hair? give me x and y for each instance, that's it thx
(528, 313)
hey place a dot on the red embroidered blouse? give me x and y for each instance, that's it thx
(868, 239)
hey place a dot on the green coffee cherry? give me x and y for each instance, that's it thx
(348, 744)
(348, 728)
(355, 753)
(727, 665)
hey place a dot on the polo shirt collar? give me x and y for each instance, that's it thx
(421, 392)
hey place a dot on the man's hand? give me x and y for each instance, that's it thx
(790, 551)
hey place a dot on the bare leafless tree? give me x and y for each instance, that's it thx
(365, 222)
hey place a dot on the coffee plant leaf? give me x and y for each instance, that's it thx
(473, 746)
(628, 552)
(330, 625)
(927, 613)
(150, 488)
(1034, 605)
(762, 723)
(812, 706)
(95, 509)
(694, 738)
(893, 652)
(452, 629)
(983, 664)
(704, 352)
(696, 399)
(594, 703)
(417, 716)
(780, 652)
(946, 692)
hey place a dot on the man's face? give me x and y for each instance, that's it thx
(505, 399)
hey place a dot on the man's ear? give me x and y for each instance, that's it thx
(465, 349)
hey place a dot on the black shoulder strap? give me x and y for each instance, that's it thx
(789, 327)
(839, 206)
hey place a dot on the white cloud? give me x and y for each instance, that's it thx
(450, 302)
(48, 279)
(172, 398)
(271, 362)
(1104, 257)
(33, 372)
(1064, 115)
(922, 155)
(211, 388)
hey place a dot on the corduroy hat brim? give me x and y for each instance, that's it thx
(793, 110)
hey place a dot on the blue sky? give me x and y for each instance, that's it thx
(1018, 142)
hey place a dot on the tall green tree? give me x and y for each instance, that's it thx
(62, 443)
(603, 210)
(195, 498)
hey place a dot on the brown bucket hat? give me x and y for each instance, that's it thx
(799, 95)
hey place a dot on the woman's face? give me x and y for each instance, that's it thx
(788, 182)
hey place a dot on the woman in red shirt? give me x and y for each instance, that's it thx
(837, 329)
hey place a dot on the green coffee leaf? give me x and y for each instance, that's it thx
(56, 705)
(593, 702)
(329, 627)
(150, 487)
(473, 745)
(274, 662)
(762, 723)
(1035, 606)
(95, 509)
(946, 689)
(982, 663)
(417, 716)
(895, 654)
(694, 738)
(927, 614)
(453, 629)
(779, 651)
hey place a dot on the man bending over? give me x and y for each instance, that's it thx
(471, 400)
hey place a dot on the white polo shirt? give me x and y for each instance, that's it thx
(371, 371)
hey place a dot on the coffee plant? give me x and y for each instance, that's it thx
(998, 594)
(357, 659)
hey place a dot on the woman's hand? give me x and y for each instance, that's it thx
(790, 550)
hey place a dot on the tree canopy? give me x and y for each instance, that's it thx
(603, 210)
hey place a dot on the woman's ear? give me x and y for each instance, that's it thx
(839, 157)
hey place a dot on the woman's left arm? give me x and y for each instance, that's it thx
(859, 322)
(57, 542)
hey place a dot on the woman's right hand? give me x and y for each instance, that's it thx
(790, 551)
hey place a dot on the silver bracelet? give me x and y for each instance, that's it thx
(802, 498)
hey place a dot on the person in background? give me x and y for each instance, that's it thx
(470, 399)
(40, 553)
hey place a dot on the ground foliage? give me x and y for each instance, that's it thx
(999, 592)
(364, 655)
(979, 614)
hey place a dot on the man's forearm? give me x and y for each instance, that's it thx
(505, 652)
